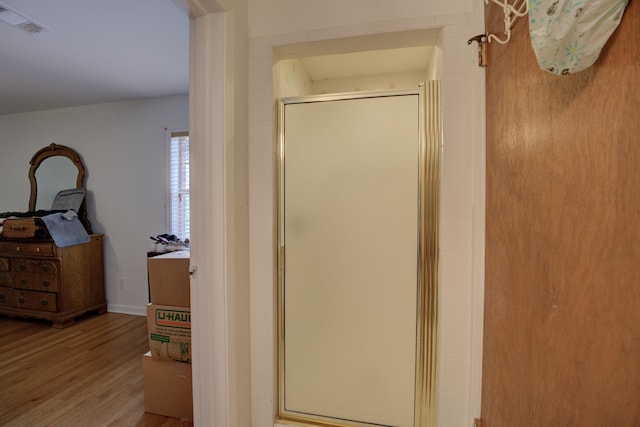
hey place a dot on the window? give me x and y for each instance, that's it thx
(179, 209)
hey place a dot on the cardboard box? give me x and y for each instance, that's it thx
(167, 388)
(169, 279)
(169, 332)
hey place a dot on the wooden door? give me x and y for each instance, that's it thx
(562, 284)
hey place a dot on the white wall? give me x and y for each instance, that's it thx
(123, 148)
(282, 22)
(373, 82)
(291, 79)
(268, 18)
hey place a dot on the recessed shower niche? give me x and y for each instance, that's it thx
(358, 166)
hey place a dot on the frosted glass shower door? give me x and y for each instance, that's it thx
(349, 237)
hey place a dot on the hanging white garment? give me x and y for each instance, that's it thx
(568, 35)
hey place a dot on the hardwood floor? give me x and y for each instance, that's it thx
(89, 374)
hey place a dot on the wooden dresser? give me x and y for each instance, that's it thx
(41, 280)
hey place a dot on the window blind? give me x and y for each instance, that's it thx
(179, 212)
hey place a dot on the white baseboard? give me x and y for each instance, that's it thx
(127, 309)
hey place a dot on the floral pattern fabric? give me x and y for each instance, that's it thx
(568, 35)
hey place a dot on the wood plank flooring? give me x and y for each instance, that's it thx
(89, 374)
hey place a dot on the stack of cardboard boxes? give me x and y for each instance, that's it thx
(167, 366)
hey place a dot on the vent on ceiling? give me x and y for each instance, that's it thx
(31, 27)
(20, 20)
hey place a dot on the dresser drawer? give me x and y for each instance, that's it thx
(28, 248)
(5, 296)
(32, 300)
(5, 278)
(36, 282)
(4, 264)
(38, 266)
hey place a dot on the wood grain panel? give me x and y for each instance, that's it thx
(562, 285)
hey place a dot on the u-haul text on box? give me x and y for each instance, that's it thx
(169, 332)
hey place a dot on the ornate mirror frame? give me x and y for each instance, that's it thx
(64, 151)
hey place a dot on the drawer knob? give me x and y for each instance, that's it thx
(37, 249)
(45, 283)
(45, 268)
(22, 267)
(44, 302)
(2, 296)
(17, 248)
(23, 281)
(21, 299)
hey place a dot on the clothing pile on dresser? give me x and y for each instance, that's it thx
(63, 226)
(39, 213)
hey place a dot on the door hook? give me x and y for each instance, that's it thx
(481, 39)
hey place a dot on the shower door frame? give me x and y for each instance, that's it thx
(427, 256)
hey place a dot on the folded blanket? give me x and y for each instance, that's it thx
(66, 229)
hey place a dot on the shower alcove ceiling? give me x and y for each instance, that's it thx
(377, 62)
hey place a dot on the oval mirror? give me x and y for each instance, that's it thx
(53, 169)
(55, 174)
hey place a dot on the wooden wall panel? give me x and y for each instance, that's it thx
(562, 299)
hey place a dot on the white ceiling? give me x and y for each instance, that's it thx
(112, 50)
(95, 51)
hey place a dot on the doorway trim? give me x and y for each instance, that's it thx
(460, 70)
(462, 218)
(212, 399)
